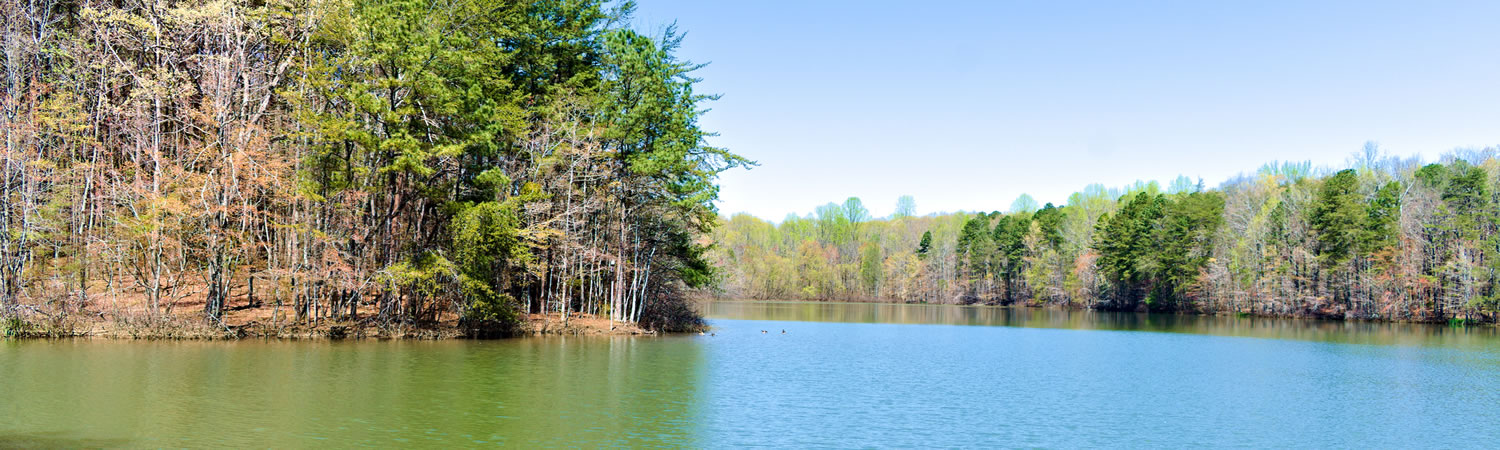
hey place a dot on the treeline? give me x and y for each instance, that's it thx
(1386, 239)
(401, 160)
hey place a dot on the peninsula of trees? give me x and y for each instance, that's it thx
(1385, 239)
(377, 161)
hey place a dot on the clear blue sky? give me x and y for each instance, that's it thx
(966, 105)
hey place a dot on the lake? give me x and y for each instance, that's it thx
(842, 375)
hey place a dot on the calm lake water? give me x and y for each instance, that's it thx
(842, 375)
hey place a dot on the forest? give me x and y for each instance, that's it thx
(1386, 238)
(382, 162)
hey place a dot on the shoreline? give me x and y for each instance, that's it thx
(1493, 322)
(97, 326)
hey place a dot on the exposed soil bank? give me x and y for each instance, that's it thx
(29, 322)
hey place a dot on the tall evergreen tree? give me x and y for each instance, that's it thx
(1338, 218)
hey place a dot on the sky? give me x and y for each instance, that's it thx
(965, 105)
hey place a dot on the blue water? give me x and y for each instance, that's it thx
(855, 384)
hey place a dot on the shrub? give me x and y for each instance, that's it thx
(490, 315)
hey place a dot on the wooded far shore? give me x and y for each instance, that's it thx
(1384, 239)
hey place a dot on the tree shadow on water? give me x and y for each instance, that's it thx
(56, 439)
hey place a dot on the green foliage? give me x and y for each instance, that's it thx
(870, 266)
(15, 327)
(694, 268)
(816, 275)
(486, 241)
(976, 249)
(491, 315)
(421, 158)
(1432, 175)
(1415, 243)
(1185, 238)
(1009, 238)
(1467, 196)
(1338, 218)
(653, 114)
(1152, 249)
(1381, 221)
(425, 275)
(1124, 245)
(974, 241)
(1049, 220)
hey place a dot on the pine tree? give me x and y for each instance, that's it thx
(1338, 217)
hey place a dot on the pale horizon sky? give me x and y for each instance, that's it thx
(965, 105)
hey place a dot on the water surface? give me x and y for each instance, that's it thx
(842, 375)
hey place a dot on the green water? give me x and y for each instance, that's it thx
(843, 375)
